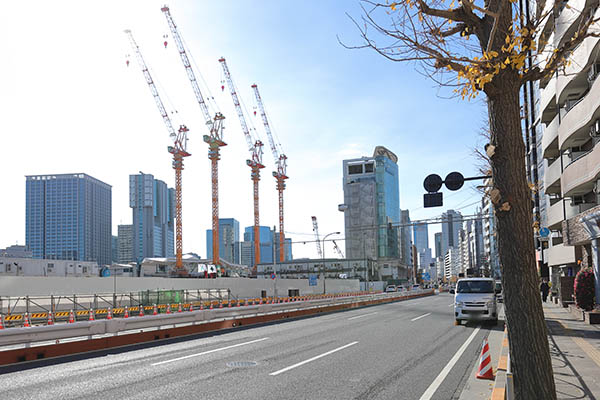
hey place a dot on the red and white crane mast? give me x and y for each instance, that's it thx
(255, 162)
(178, 150)
(214, 139)
(281, 173)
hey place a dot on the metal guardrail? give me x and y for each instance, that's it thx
(88, 329)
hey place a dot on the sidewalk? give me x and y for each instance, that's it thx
(575, 351)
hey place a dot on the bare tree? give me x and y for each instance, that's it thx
(494, 47)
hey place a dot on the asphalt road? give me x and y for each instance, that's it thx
(388, 351)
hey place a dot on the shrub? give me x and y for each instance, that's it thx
(584, 289)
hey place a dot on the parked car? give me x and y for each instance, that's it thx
(390, 288)
(475, 300)
(401, 288)
(415, 287)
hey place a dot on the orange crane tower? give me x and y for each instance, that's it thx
(281, 173)
(255, 163)
(178, 150)
(214, 139)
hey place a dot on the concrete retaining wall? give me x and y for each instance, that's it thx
(15, 286)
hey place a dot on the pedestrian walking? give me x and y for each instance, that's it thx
(544, 288)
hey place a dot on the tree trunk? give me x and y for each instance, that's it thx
(527, 332)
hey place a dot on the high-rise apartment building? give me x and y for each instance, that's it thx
(372, 200)
(405, 238)
(153, 207)
(437, 238)
(450, 229)
(68, 217)
(421, 242)
(568, 105)
(229, 240)
(125, 244)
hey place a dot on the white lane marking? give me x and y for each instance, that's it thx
(422, 316)
(450, 305)
(209, 351)
(363, 315)
(311, 359)
(440, 378)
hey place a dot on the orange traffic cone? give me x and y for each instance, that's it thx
(485, 363)
(169, 308)
(260, 301)
(109, 313)
(50, 319)
(179, 309)
(1, 321)
(126, 315)
(211, 306)
(26, 323)
(155, 310)
(71, 317)
(141, 313)
(91, 314)
(220, 304)
(201, 306)
(191, 307)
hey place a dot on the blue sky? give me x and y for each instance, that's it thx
(70, 104)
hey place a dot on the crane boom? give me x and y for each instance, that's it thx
(214, 139)
(318, 239)
(255, 163)
(281, 173)
(178, 150)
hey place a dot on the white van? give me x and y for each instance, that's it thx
(475, 300)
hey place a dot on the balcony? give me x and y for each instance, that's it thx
(548, 101)
(574, 128)
(566, 22)
(579, 177)
(574, 78)
(561, 255)
(550, 139)
(561, 209)
(552, 178)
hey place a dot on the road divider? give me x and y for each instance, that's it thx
(281, 371)
(28, 344)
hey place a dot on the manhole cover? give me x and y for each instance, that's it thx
(241, 364)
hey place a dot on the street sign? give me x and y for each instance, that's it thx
(312, 280)
(426, 276)
(433, 199)
(273, 276)
(544, 232)
(454, 180)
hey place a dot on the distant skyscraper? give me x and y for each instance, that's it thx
(372, 200)
(405, 238)
(153, 207)
(229, 240)
(269, 245)
(68, 217)
(125, 244)
(450, 229)
(114, 249)
(421, 242)
(438, 244)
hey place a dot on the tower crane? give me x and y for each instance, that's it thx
(281, 173)
(214, 139)
(318, 240)
(178, 150)
(255, 161)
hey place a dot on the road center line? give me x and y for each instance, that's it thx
(311, 359)
(363, 315)
(440, 378)
(422, 316)
(209, 351)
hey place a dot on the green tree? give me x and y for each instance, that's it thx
(492, 47)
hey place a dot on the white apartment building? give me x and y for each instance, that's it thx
(452, 264)
(569, 109)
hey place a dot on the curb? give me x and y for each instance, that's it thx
(500, 383)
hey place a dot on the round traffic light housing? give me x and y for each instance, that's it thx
(454, 181)
(433, 183)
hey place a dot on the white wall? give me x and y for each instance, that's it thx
(240, 287)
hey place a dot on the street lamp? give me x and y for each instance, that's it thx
(323, 263)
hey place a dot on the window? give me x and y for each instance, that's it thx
(369, 167)
(355, 169)
(85, 270)
(50, 267)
